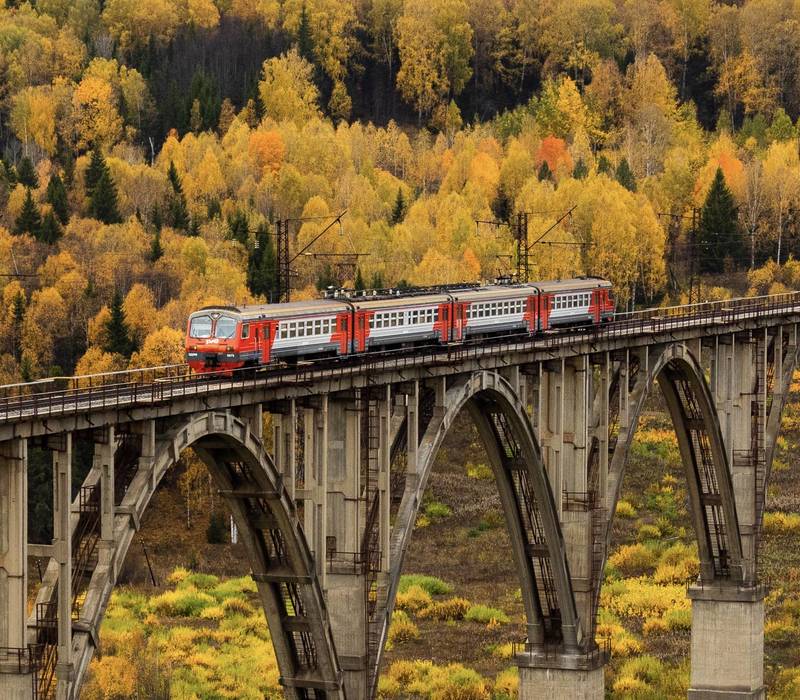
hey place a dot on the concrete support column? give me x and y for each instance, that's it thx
(727, 643)
(412, 434)
(602, 434)
(578, 677)
(62, 542)
(550, 422)
(13, 544)
(384, 474)
(284, 432)
(104, 463)
(253, 415)
(345, 582)
(146, 429)
(576, 516)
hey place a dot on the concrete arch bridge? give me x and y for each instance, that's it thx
(327, 513)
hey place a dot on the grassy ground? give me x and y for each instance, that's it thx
(461, 619)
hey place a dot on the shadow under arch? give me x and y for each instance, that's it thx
(710, 486)
(282, 564)
(527, 501)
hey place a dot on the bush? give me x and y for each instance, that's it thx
(430, 584)
(479, 471)
(781, 523)
(402, 628)
(436, 511)
(237, 606)
(633, 559)
(506, 685)
(450, 609)
(202, 582)
(648, 533)
(679, 619)
(625, 509)
(484, 614)
(187, 602)
(178, 576)
(642, 599)
(413, 600)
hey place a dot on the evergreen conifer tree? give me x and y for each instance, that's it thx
(11, 174)
(580, 171)
(18, 316)
(604, 166)
(237, 227)
(117, 334)
(94, 171)
(501, 206)
(326, 278)
(719, 235)
(29, 219)
(156, 249)
(104, 200)
(50, 230)
(261, 273)
(194, 228)
(56, 196)
(377, 281)
(359, 283)
(179, 212)
(26, 173)
(155, 217)
(625, 175)
(544, 172)
(399, 211)
(305, 43)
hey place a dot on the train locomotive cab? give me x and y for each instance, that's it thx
(213, 340)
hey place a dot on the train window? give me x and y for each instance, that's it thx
(245, 330)
(317, 327)
(200, 327)
(226, 327)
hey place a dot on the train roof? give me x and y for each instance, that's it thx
(289, 309)
(576, 283)
(497, 291)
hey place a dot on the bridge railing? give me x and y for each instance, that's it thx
(157, 384)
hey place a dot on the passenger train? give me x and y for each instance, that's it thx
(225, 338)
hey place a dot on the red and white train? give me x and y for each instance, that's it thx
(224, 338)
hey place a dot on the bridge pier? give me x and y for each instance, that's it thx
(727, 643)
(561, 675)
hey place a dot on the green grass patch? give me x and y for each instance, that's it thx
(429, 584)
(485, 614)
(437, 511)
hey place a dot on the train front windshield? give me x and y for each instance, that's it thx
(224, 328)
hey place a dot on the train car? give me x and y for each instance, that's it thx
(391, 320)
(497, 309)
(232, 337)
(226, 338)
(577, 302)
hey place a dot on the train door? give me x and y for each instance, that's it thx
(265, 334)
(361, 330)
(442, 322)
(459, 319)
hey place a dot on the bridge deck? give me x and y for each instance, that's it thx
(76, 403)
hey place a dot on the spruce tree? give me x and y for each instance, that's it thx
(29, 219)
(261, 272)
(399, 211)
(501, 206)
(719, 235)
(156, 217)
(56, 196)
(94, 171)
(104, 200)
(26, 173)
(305, 43)
(194, 228)
(377, 281)
(156, 250)
(117, 334)
(625, 175)
(604, 166)
(179, 212)
(238, 227)
(544, 172)
(359, 283)
(50, 230)
(580, 171)
(18, 316)
(11, 174)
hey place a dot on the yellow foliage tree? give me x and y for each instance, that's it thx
(165, 346)
(287, 89)
(97, 120)
(33, 117)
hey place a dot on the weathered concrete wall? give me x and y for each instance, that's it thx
(558, 683)
(13, 543)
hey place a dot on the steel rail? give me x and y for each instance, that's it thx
(154, 385)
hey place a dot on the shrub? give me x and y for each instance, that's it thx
(654, 626)
(633, 559)
(641, 598)
(625, 509)
(237, 606)
(506, 685)
(431, 584)
(201, 582)
(234, 587)
(501, 651)
(436, 511)
(422, 521)
(678, 619)
(402, 628)
(648, 533)
(782, 523)
(215, 612)
(187, 602)
(178, 575)
(413, 600)
(484, 614)
(479, 471)
(450, 609)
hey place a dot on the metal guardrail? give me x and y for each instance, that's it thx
(154, 385)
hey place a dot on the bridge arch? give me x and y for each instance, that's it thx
(528, 504)
(685, 388)
(282, 564)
